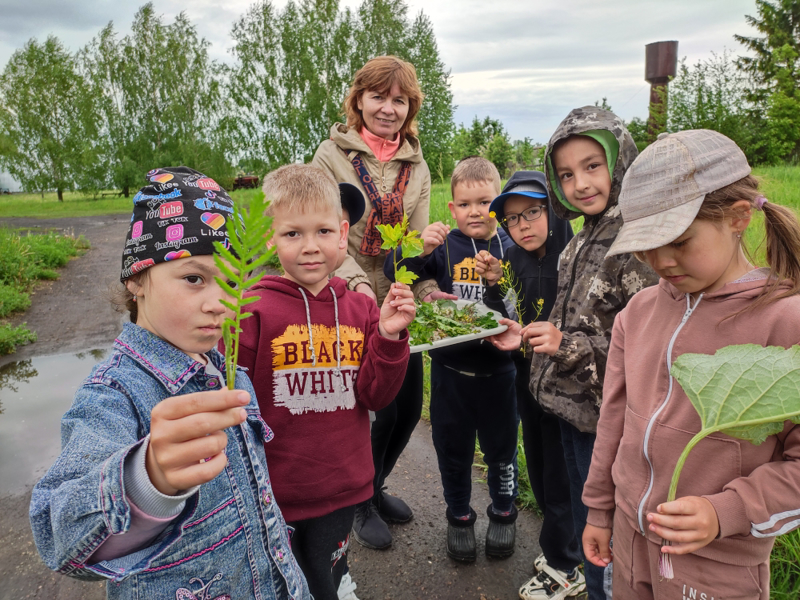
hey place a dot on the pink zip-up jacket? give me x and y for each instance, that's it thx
(646, 421)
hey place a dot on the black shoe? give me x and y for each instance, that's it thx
(391, 509)
(461, 544)
(369, 529)
(501, 534)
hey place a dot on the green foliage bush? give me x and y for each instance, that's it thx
(23, 260)
(11, 337)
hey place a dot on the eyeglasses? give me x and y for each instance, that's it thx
(531, 214)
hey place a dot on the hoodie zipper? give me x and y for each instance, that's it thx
(566, 301)
(689, 310)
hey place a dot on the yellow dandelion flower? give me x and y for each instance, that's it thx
(492, 214)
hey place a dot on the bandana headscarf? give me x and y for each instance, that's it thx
(180, 213)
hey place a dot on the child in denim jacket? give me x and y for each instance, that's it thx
(147, 492)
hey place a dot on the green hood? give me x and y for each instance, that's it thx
(609, 131)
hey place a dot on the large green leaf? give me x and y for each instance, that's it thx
(746, 391)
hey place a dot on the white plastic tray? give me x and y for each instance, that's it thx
(460, 339)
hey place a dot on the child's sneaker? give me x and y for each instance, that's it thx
(368, 527)
(347, 588)
(461, 545)
(502, 532)
(552, 584)
(392, 509)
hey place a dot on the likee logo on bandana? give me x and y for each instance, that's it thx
(162, 178)
(214, 220)
(466, 281)
(141, 265)
(136, 231)
(170, 209)
(177, 254)
(301, 386)
(174, 232)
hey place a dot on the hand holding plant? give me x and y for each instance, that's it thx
(397, 312)
(746, 391)
(488, 267)
(433, 236)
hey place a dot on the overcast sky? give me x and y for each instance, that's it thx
(524, 62)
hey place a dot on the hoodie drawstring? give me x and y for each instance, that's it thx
(338, 371)
(310, 334)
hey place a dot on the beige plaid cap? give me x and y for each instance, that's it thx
(665, 186)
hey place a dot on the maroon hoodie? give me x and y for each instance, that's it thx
(315, 389)
(646, 420)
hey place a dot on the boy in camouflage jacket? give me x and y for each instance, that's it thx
(585, 162)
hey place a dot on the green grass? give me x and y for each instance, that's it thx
(26, 257)
(75, 204)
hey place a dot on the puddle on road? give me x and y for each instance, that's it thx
(34, 394)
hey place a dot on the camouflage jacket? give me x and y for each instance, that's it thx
(592, 288)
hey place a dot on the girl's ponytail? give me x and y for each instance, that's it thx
(783, 246)
(782, 229)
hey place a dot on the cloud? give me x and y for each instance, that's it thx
(524, 62)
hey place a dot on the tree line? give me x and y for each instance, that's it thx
(99, 118)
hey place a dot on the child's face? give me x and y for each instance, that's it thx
(703, 259)
(531, 235)
(309, 246)
(179, 301)
(582, 169)
(470, 209)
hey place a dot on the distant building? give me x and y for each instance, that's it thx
(7, 182)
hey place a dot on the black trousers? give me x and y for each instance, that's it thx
(461, 407)
(394, 424)
(320, 547)
(547, 471)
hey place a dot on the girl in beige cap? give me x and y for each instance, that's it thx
(686, 202)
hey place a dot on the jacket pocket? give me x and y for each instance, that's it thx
(714, 462)
(631, 473)
(257, 423)
(209, 536)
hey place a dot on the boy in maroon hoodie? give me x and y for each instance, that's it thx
(320, 358)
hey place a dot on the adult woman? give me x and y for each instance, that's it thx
(378, 151)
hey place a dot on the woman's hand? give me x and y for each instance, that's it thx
(433, 236)
(187, 438)
(510, 339)
(690, 523)
(597, 545)
(488, 267)
(543, 336)
(397, 312)
(366, 289)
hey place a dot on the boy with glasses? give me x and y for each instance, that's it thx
(525, 214)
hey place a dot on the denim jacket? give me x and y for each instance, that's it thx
(230, 540)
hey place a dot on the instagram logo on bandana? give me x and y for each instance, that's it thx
(174, 232)
(136, 232)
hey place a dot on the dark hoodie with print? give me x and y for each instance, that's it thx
(538, 275)
(592, 288)
(318, 366)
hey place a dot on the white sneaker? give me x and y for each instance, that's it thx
(347, 588)
(552, 584)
